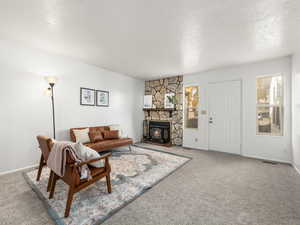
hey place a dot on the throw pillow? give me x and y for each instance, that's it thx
(85, 153)
(95, 136)
(82, 135)
(111, 134)
(122, 133)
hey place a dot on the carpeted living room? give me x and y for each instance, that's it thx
(150, 112)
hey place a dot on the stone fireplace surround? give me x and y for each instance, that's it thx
(158, 89)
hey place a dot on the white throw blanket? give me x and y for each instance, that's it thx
(58, 156)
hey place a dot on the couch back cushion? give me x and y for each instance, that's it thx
(96, 136)
(91, 129)
(111, 134)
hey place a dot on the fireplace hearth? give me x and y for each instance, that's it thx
(157, 131)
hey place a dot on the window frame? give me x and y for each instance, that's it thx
(184, 106)
(281, 106)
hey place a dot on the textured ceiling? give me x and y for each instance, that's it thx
(154, 38)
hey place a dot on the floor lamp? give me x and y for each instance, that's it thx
(50, 92)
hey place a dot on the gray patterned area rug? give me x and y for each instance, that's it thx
(132, 174)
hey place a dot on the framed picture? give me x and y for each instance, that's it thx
(169, 100)
(102, 98)
(147, 101)
(87, 96)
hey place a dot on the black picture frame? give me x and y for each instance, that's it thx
(82, 102)
(97, 98)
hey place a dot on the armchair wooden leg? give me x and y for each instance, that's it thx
(50, 181)
(53, 184)
(108, 183)
(40, 168)
(69, 201)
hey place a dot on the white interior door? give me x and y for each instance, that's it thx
(225, 117)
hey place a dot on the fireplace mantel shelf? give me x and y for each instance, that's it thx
(159, 109)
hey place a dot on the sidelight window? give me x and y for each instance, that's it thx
(191, 106)
(269, 105)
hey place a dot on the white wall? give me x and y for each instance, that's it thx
(266, 147)
(26, 111)
(296, 109)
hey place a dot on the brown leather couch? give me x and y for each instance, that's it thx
(105, 144)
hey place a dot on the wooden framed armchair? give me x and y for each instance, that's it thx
(45, 146)
(72, 175)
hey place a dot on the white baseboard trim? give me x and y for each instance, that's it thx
(198, 148)
(296, 168)
(246, 156)
(268, 159)
(20, 169)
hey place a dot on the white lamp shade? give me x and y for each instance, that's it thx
(51, 79)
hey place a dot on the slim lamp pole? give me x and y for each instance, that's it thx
(53, 111)
(51, 80)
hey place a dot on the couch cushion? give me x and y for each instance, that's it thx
(92, 129)
(110, 144)
(96, 136)
(122, 133)
(98, 129)
(111, 134)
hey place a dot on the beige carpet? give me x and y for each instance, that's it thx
(212, 189)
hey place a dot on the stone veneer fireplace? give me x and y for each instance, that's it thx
(158, 89)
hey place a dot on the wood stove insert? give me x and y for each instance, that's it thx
(158, 132)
